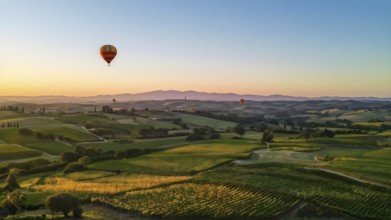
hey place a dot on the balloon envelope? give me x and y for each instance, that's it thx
(108, 52)
(241, 101)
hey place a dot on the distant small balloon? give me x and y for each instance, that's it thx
(241, 101)
(108, 52)
(114, 100)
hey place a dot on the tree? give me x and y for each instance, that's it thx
(16, 198)
(84, 160)
(11, 204)
(73, 167)
(268, 136)
(25, 131)
(328, 133)
(306, 134)
(11, 183)
(239, 130)
(69, 157)
(61, 202)
(79, 150)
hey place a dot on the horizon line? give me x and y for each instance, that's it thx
(181, 91)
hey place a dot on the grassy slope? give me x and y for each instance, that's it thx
(76, 135)
(11, 152)
(374, 165)
(12, 136)
(50, 147)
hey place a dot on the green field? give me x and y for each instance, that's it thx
(50, 147)
(192, 120)
(36, 198)
(12, 152)
(140, 144)
(76, 135)
(83, 118)
(181, 160)
(9, 115)
(364, 116)
(303, 153)
(148, 122)
(12, 136)
(373, 165)
(345, 141)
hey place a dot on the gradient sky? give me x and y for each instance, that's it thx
(293, 47)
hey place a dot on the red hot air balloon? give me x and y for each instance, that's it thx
(241, 101)
(108, 53)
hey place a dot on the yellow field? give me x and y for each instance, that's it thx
(106, 185)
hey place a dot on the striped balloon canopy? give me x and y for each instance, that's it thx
(108, 52)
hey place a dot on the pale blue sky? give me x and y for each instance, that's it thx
(293, 47)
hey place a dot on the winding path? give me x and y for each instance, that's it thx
(100, 139)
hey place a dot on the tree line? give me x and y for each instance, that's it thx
(10, 125)
(12, 108)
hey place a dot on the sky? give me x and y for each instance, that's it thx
(291, 47)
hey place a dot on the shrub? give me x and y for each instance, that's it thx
(120, 155)
(194, 137)
(62, 202)
(77, 212)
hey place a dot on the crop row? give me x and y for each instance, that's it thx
(347, 195)
(202, 200)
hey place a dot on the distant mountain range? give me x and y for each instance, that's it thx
(173, 94)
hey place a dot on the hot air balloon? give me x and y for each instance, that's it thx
(114, 100)
(241, 101)
(108, 53)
